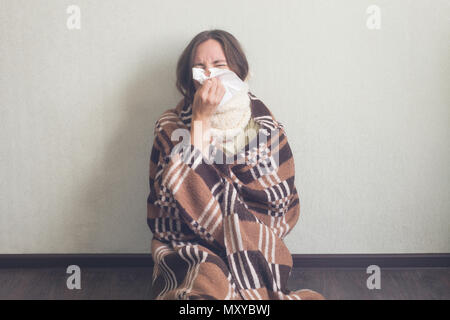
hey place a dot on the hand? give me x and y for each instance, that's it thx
(207, 98)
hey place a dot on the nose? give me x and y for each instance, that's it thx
(207, 72)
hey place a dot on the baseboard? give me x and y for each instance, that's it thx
(417, 260)
(429, 260)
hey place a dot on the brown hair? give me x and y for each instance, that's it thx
(232, 49)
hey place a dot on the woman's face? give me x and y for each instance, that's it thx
(209, 54)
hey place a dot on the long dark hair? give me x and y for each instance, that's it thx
(232, 49)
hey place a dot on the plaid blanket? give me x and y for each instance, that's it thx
(218, 226)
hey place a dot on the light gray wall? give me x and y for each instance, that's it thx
(366, 111)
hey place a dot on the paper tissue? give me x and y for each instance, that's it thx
(230, 80)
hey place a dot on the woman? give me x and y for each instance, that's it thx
(218, 226)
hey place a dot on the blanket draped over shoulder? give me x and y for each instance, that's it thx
(218, 226)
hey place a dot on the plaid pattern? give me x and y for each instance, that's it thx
(218, 227)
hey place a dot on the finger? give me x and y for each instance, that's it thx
(205, 88)
(206, 84)
(217, 89)
(212, 90)
(220, 90)
(214, 86)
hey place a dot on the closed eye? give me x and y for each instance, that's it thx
(199, 65)
(217, 65)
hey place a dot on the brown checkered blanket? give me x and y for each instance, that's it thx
(218, 226)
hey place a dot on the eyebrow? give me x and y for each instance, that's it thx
(216, 61)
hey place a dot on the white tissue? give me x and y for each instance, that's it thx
(230, 80)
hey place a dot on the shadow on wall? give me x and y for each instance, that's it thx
(111, 216)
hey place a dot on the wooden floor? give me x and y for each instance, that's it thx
(135, 283)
